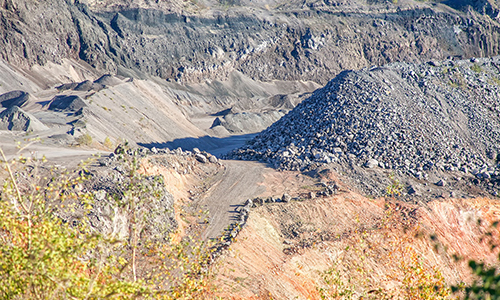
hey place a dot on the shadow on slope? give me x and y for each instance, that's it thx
(214, 145)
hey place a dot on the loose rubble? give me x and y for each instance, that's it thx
(14, 98)
(413, 119)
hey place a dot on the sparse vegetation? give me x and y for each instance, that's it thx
(395, 188)
(476, 68)
(353, 276)
(84, 140)
(108, 143)
(457, 81)
(495, 80)
(487, 278)
(43, 256)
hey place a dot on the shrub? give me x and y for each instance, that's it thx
(396, 188)
(487, 278)
(44, 255)
(108, 143)
(476, 68)
(84, 140)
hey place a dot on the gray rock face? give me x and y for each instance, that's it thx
(14, 98)
(67, 103)
(486, 7)
(111, 215)
(412, 118)
(15, 119)
(312, 40)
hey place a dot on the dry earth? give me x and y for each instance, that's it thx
(285, 249)
(211, 73)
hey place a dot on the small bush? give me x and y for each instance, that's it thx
(108, 143)
(84, 140)
(476, 68)
(487, 278)
(396, 188)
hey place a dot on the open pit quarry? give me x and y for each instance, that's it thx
(327, 149)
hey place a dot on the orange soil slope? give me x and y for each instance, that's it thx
(352, 245)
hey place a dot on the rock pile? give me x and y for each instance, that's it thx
(16, 119)
(412, 118)
(67, 103)
(14, 98)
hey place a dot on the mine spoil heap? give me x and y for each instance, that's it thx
(438, 116)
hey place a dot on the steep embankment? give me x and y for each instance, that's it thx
(265, 40)
(325, 244)
(351, 245)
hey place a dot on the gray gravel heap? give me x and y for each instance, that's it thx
(16, 119)
(14, 98)
(439, 116)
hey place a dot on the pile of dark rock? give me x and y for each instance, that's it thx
(87, 85)
(417, 119)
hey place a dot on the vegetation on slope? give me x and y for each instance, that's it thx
(45, 256)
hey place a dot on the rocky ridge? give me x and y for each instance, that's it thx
(413, 119)
(265, 40)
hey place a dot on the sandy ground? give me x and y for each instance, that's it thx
(241, 180)
(15, 146)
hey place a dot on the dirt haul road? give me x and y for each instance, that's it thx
(241, 180)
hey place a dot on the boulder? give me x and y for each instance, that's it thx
(201, 158)
(371, 163)
(286, 198)
(441, 182)
(212, 159)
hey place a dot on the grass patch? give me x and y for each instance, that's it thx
(476, 68)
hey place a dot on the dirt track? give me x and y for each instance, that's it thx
(241, 180)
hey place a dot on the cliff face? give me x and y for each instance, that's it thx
(186, 42)
(35, 32)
